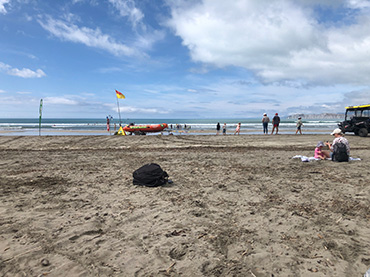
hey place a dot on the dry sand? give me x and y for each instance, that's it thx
(239, 206)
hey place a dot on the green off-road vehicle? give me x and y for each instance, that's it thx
(357, 120)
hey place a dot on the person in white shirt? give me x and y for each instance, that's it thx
(265, 122)
(338, 134)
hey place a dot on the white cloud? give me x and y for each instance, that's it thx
(277, 40)
(128, 109)
(355, 98)
(358, 4)
(2, 6)
(151, 91)
(245, 32)
(4, 66)
(24, 72)
(2, 91)
(128, 8)
(60, 101)
(89, 37)
(146, 36)
(109, 70)
(24, 92)
(331, 3)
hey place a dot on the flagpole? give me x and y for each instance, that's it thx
(119, 112)
(40, 115)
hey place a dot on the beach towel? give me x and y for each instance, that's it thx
(311, 159)
(367, 273)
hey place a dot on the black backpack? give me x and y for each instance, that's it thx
(150, 175)
(340, 152)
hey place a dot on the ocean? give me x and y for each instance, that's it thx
(98, 126)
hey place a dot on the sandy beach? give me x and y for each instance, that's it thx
(238, 206)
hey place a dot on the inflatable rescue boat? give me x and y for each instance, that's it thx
(145, 128)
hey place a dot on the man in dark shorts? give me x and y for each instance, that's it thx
(275, 123)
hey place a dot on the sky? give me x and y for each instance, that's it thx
(183, 58)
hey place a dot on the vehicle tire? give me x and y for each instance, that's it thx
(356, 132)
(363, 132)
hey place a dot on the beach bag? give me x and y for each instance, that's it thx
(150, 175)
(340, 152)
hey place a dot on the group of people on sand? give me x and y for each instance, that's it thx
(333, 147)
(265, 122)
(319, 152)
(179, 127)
(218, 128)
(276, 122)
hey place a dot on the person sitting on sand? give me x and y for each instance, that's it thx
(338, 134)
(237, 130)
(319, 153)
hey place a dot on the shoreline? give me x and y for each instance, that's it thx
(51, 132)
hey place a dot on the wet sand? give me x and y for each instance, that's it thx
(52, 132)
(239, 206)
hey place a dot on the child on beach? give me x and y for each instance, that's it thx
(319, 153)
(224, 129)
(299, 126)
(237, 130)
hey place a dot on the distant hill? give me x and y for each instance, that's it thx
(318, 116)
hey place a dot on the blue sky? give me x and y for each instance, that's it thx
(183, 59)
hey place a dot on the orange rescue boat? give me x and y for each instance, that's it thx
(150, 128)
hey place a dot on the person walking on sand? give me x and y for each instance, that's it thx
(265, 122)
(275, 124)
(299, 125)
(224, 129)
(237, 130)
(218, 128)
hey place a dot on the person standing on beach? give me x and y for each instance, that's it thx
(299, 125)
(218, 128)
(275, 124)
(237, 130)
(224, 129)
(265, 122)
(108, 124)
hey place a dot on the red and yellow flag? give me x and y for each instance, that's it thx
(120, 95)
